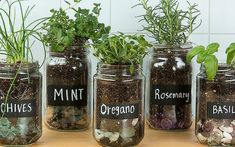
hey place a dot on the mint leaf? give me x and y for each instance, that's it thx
(212, 48)
(191, 54)
(211, 65)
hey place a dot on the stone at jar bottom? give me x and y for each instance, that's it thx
(170, 117)
(119, 132)
(20, 131)
(216, 132)
(68, 118)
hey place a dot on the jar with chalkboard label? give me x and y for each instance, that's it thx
(20, 103)
(168, 92)
(118, 105)
(68, 86)
(215, 107)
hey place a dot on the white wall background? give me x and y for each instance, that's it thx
(218, 23)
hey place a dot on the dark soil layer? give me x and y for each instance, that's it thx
(129, 132)
(73, 72)
(215, 131)
(22, 130)
(174, 72)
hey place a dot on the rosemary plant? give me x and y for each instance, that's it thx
(167, 23)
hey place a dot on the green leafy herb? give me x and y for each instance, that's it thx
(205, 56)
(63, 31)
(15, 43)
(168, 24)
(231, 54)
(121, 49)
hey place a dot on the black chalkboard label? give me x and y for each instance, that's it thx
(220, 110)
(58, 95)
(170, 94)
(119, 111)
(18, 108)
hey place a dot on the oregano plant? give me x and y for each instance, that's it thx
(121, 49)
(205, 55)
(63, 31)
(167, 23)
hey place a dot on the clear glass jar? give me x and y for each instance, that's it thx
(168, 95)
(215, 108)
(20, 103)
(118, 105)
(68, 90)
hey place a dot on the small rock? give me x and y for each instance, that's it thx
(127, 132)
(233, 122)
(99, 134)
(114, 137)
(218, 131)
(215, 138)
(226, 129)
(227, 135)
(226, 141)
(201, 138)
(135, 121)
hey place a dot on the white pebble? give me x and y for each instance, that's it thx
(114, 137)
(226, 129)
(98, 134)
(218, 131)
(227, 135)
(226, 140)
(233, 122)
(201, 138)
(135, 121)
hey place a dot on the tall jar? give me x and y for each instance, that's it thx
(168, 95)
(215, 108)
(68, 90)
(118, 105)
(20, 103)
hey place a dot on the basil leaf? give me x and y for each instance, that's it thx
(211, 65)
(194, 52)
(212, 48)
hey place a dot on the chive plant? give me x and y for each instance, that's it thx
(16, 42)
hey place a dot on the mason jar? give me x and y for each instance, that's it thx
(68, 90)
(168, 92)
(20, 103)
(215, 107)
(118, 105)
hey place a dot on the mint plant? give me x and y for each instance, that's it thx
(206, 56)
(63, 31)
(167, 23)
(121, 49)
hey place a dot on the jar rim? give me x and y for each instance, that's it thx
(187, 45)
(30, 65)
(100, 64)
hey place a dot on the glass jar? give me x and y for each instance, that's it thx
(20, 103)
(215, 108)
(68, 90)
(168, 95)
(118, 105)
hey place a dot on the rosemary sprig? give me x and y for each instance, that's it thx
(167, 23)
